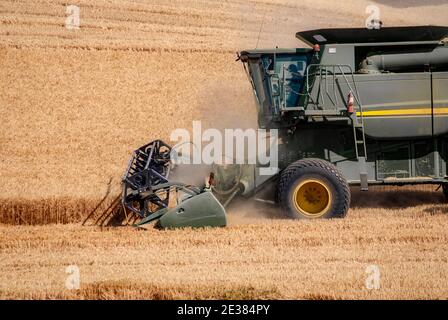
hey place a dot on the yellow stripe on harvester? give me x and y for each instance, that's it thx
(402, 112)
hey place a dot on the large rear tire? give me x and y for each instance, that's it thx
(313, 188)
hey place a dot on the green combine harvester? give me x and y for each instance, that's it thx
(359, 107)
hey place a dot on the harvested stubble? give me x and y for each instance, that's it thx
(263, 259)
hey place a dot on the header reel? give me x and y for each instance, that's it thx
(148, 192)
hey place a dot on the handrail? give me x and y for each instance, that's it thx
(334, 67)
(331, 69)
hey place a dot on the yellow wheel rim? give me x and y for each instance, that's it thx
(312, 198)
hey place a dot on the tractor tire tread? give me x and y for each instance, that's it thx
(329, 168)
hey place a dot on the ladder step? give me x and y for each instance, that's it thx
(363, 174)
(360, 142)
(321, 112)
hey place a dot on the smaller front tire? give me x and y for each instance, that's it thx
(313, 188)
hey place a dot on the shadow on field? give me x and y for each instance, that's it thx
(248, 210)
(394, 198)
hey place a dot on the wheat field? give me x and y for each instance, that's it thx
(75, 103)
